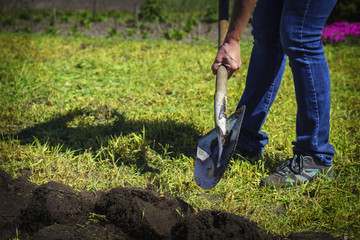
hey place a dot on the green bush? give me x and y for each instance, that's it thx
(152, 10)
(74, 31)
(64, 19)
(68, 13)
(38, 18)
(174, 34)
(7, 20)
(145, 34)
(45, 13)
(345, 10)
(85, 14)
(130, 21)
(142, 26)
(112, 32)
(189, 23)
(84, 21)
(115, 14)
(26, 29)
(25, 14)
(99, 17)
(211, 14)
(51, 30)
(130, 32)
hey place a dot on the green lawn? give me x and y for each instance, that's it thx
(97, 113)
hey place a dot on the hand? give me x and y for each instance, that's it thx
(229, 56)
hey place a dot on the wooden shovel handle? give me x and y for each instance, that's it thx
(223, 20)
(222, 73)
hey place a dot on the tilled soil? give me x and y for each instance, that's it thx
(56, 211)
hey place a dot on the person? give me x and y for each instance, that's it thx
(284, 29)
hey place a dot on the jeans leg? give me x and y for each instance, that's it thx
(266, 68)
(301, 24)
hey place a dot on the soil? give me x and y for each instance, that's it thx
(56, 211)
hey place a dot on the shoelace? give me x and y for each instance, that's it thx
(295, 165)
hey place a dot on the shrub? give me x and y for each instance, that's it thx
(65, 19)
(99, 17)
(174, 34)
(51, 30)
(145, 34)
(345, 10)
(26, 29)
(45, 13)
(130, 32)
(130, 21)
(25, 14)
(74, 31)
(211, 14)
(112, 32)
(38, 18)
(189, 23)
(85, 14)
(7, 20)
(142, 26)
(84, 21)
(152, 10)
(68, 13)
(115, 14)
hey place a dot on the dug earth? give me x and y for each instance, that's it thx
(56, 211)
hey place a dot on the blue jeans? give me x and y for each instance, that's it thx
(289, 29)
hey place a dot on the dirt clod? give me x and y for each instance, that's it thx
(56, 211)
(218, 225)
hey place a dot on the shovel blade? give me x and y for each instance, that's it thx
(209, 168)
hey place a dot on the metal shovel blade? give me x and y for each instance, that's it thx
(216, 148)
(209, 165)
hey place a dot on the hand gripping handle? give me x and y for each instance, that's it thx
(222, 73)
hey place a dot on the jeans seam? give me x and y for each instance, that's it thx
(316, 108)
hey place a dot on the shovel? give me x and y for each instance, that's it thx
(216, 148)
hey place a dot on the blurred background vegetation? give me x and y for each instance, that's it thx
(142, 19)
(147, 10)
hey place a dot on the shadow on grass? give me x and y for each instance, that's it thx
(106, 124)
(267, 162)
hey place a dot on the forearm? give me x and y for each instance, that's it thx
(241, 14)
(229, 52)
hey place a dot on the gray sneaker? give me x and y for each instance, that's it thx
(296, 171)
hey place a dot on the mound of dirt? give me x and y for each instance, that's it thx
(56, 211)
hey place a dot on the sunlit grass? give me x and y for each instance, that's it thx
(97, 113)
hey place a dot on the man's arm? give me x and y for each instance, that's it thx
(229, 52)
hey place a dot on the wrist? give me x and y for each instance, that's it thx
(232, 40)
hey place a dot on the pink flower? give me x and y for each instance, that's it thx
(339, 31)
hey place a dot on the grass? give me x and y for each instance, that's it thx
(97, 113)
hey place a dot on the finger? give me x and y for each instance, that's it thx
(215, 67)
(230, 72)
(234, 67)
